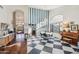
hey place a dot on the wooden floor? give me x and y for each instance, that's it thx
(23, 48)
(16, 48)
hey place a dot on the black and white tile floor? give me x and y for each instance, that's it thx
(50, 46)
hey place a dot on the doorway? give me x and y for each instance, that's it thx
(55, 23)
(18, 24)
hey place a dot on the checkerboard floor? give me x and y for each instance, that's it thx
(38, 45)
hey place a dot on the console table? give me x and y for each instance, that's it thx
(4, 40)
(70, 37)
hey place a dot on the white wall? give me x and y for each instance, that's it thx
(69, 12)
(44, 7)
(6, 14)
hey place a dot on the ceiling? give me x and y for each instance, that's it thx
(45, 7)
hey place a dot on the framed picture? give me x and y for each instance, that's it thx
(74, 27)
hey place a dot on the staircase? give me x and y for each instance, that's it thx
(42, 26)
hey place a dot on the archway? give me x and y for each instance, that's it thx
(18, 24)
(55, 25)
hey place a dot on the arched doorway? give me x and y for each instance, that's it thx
(55, 23)
(18, 24)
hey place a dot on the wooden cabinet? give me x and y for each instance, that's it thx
(70, 37)
(11, 37)
(7, 39)
(2, 42)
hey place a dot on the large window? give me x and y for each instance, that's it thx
(36, 15)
